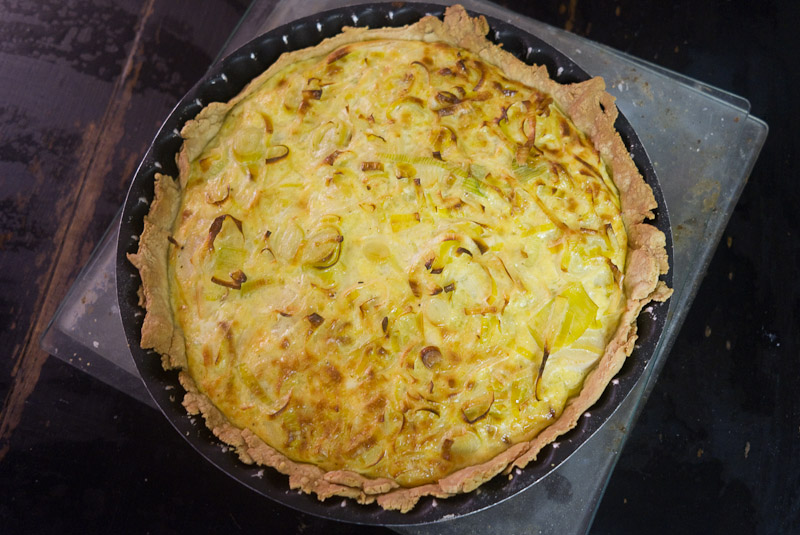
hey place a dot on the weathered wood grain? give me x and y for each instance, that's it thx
(95, 85)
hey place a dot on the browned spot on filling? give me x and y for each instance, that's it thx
(315, 319)
(377, 405)
(330, 158)
(543, 103)
(226, 348)
(446, 445)
(431, 355)
(415, 289)
(206, 163)
(237, 278)
(267, 123)
(333, 373)
(463, 250)
(565, 130)
(371, 166)
(504, 117)
(338, 54)
(505, 91)
(446, 97)
(444, 112)
(208, 358)
(482, 247)
(482, 70)
(572, 204)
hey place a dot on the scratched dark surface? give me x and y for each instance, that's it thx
(83, 87)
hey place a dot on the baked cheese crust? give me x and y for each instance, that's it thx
(399, 262)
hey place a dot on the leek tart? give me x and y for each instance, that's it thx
(399, 262)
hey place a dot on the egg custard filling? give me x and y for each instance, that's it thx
(393, 262)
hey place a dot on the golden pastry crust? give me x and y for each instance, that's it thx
(588, 107)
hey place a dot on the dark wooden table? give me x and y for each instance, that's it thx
(84, 86)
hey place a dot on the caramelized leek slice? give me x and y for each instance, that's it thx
(473, 185)
(490, 324)
(413, 104)
(478, 404)
(474, 182)
(564, 319)
(323, 248)
(560, 323)
(252, 384)
(215, 194)
(404, 331)
(212, 164)
(226, 353)
(403, 221)
(405, 170)
(425, 160)
(286, 240)
(227, 254)
(581, 315)
(445, 140)
(512, 122)
(276, 153)
(249, 144)
(448, 251)
(251, 286)
(538, 168)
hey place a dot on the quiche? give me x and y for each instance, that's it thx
(400, 262)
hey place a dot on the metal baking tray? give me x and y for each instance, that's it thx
(222, 83)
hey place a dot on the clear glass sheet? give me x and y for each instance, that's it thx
(703, 144)
(86, 330)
